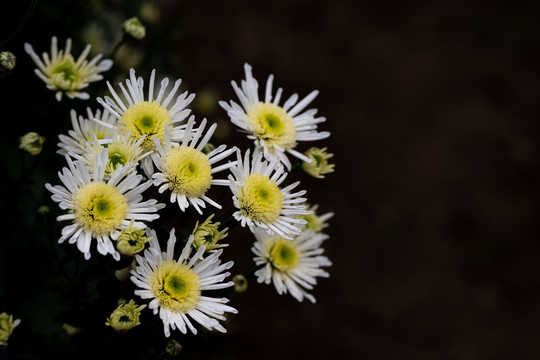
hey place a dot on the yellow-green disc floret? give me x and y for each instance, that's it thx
(100, 208)
(188, 171)
(146, 118)
(272, 124)
(260, 198)
(283, 253)
(176, 287)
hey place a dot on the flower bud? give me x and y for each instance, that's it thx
(131, 241)
(134, 28)
(7, 60)
(208, 234)
(32, 143)
(125, 317)
(240, 283)
(319, 163)
(7, 324)
(173, 348)
(70, 329)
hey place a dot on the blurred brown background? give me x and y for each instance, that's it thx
(433, 109)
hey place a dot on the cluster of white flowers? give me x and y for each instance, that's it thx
(143, 136)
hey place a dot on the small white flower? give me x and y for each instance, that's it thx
(275, 129)
(261, 202)
(186, 170)
(176, 286)
(65, 75)
(292, 266)
(100, 209)
(147, 116)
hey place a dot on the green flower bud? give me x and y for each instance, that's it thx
(173, 348)
(134, 28)
(208, 148)
(125, 317)
(7, 324)
(131, 241)
(7, 60)
(208, 234)
(32, 143)
(240, 283)
(319, 163)
(70, 329)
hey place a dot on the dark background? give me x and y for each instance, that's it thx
(433, 110)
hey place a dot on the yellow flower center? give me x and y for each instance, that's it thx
(283, 253)
(272, 124)
(176, 287)
(64, 73)
(146, 118)
(188, 171)
(100, 208)
(260, 199)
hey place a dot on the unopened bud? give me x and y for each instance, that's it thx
(125, 317)
(32, 143)
(319, 165)
(7, 324)
(173, 348)
(7, 60)
(240, 283)
(134, 28)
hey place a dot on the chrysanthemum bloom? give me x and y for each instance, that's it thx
(7, 324)
(208, 234)
(316, 222)
(101, 209)
(31, 142)
(65, 75)
(148, 117)
(186, 170)
(122, 149)
(292, 266)
(261, 202)
(85, 130)
(275, 129)
(176, 286)
(125, 317)
(319, 166)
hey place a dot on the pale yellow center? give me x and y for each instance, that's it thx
(175, 286)
(188, 171)
(64, 74)
(283, 253)
(260, 199)
(100, 208)
(146, 118)
(272, 124)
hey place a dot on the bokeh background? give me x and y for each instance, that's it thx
(433, 109)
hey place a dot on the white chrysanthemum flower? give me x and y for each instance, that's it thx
(292, 266)
(275, 129)
(186, 170)
(84, 130)
(176, 286)
(261, 202)
(65, 75)
(101, 209)
(121, 149)
(148, 117)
